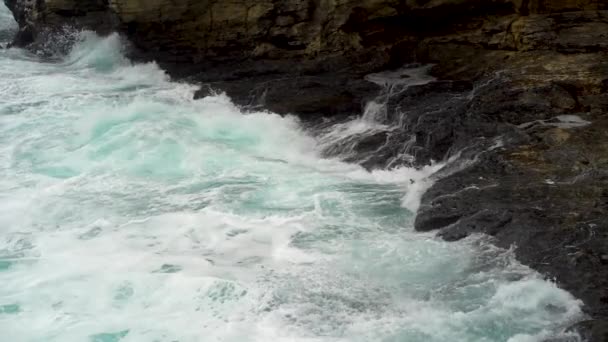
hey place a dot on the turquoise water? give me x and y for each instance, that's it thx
(130, 212)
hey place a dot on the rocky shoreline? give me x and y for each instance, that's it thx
(521, 94)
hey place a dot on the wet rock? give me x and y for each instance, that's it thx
(37, 19)
(547, 199)
(304, 50)
(593, 330)
(306, 95)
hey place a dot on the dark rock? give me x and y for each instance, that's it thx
(317, 95)
(593, 330)
(37, 19)
(546, 199)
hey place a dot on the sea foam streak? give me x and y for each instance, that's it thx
(130, 212)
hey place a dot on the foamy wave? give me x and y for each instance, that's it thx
(131, 212)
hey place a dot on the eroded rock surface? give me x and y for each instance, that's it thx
(305, 49)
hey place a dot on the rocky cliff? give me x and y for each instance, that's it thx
(521, 97)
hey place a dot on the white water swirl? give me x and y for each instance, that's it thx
(130, 212)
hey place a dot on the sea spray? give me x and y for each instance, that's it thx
(131, 212)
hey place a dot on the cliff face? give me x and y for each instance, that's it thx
(336, 41)
(195, 30)
(521, 93)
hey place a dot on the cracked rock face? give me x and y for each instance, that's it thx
(193, 30)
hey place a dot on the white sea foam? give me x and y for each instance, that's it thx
(131, 212)
(7, 24)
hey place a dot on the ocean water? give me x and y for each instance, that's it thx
(131, 212)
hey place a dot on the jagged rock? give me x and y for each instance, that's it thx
(257, 42)
(593, 330)
(37, 19)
